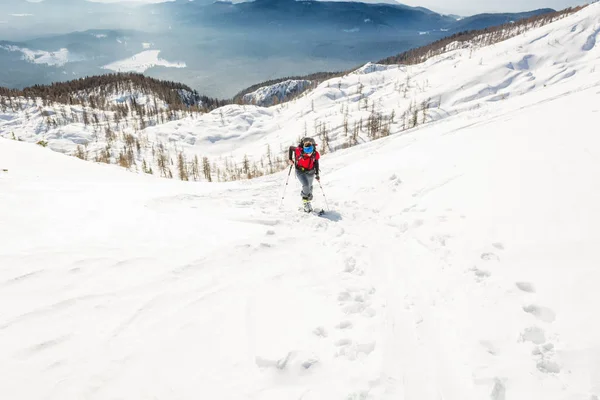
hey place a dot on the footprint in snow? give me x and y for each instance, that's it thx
(343, 342)
(351, 267)
(395, 181)
(360, 395)
(490, 257)
(356, 295)
(351, 351)
(498, 391)
(350, 264)
(344, 296)
(548, 367)
(499, 246)
(525, 287)
(292, 361)
(309, 363)
(320, 332)
(543, 349)
(542, 313)
(344, 325)
(534, 335)
(480, 274)
(440, 239)
(359, 308)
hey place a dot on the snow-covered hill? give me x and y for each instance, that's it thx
(141, 62)
(95, 113)
(458, 260)
(277, 93)
(372, 102)
(53, 58)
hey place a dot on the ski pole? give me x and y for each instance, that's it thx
(323, 194)
(286, 185)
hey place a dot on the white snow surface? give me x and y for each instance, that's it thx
(369, 68)
(553, 59)
(266, 95)
(459, 259)
(55, 58)
(141, 62)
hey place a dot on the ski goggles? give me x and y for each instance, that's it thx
(308, 149)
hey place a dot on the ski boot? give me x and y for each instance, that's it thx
(307, 206)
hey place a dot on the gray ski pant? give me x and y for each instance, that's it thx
(306, 179)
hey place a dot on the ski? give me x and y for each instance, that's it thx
(315, 211)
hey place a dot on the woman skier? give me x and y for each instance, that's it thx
(306, 160)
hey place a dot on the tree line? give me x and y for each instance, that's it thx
(94, 91)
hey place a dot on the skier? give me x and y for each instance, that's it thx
(307, 168)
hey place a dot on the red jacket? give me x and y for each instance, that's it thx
(305, 162)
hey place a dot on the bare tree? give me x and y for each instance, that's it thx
(206, 169)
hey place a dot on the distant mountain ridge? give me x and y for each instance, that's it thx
(481, 21)
(339, 14)
(223, 46)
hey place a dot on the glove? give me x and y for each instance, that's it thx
(318, 178)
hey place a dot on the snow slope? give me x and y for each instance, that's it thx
(547, 61)
(553, 59)
(459, 260)
(460, 263)
(468, 81)
(55, 58)
(273, 94)
(141, 62)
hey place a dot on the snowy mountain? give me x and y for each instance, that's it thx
(96, 113)
(481, 21)
(215, 47)
(141, 62)
(371, 102)
(277, 93)
(458, 259)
